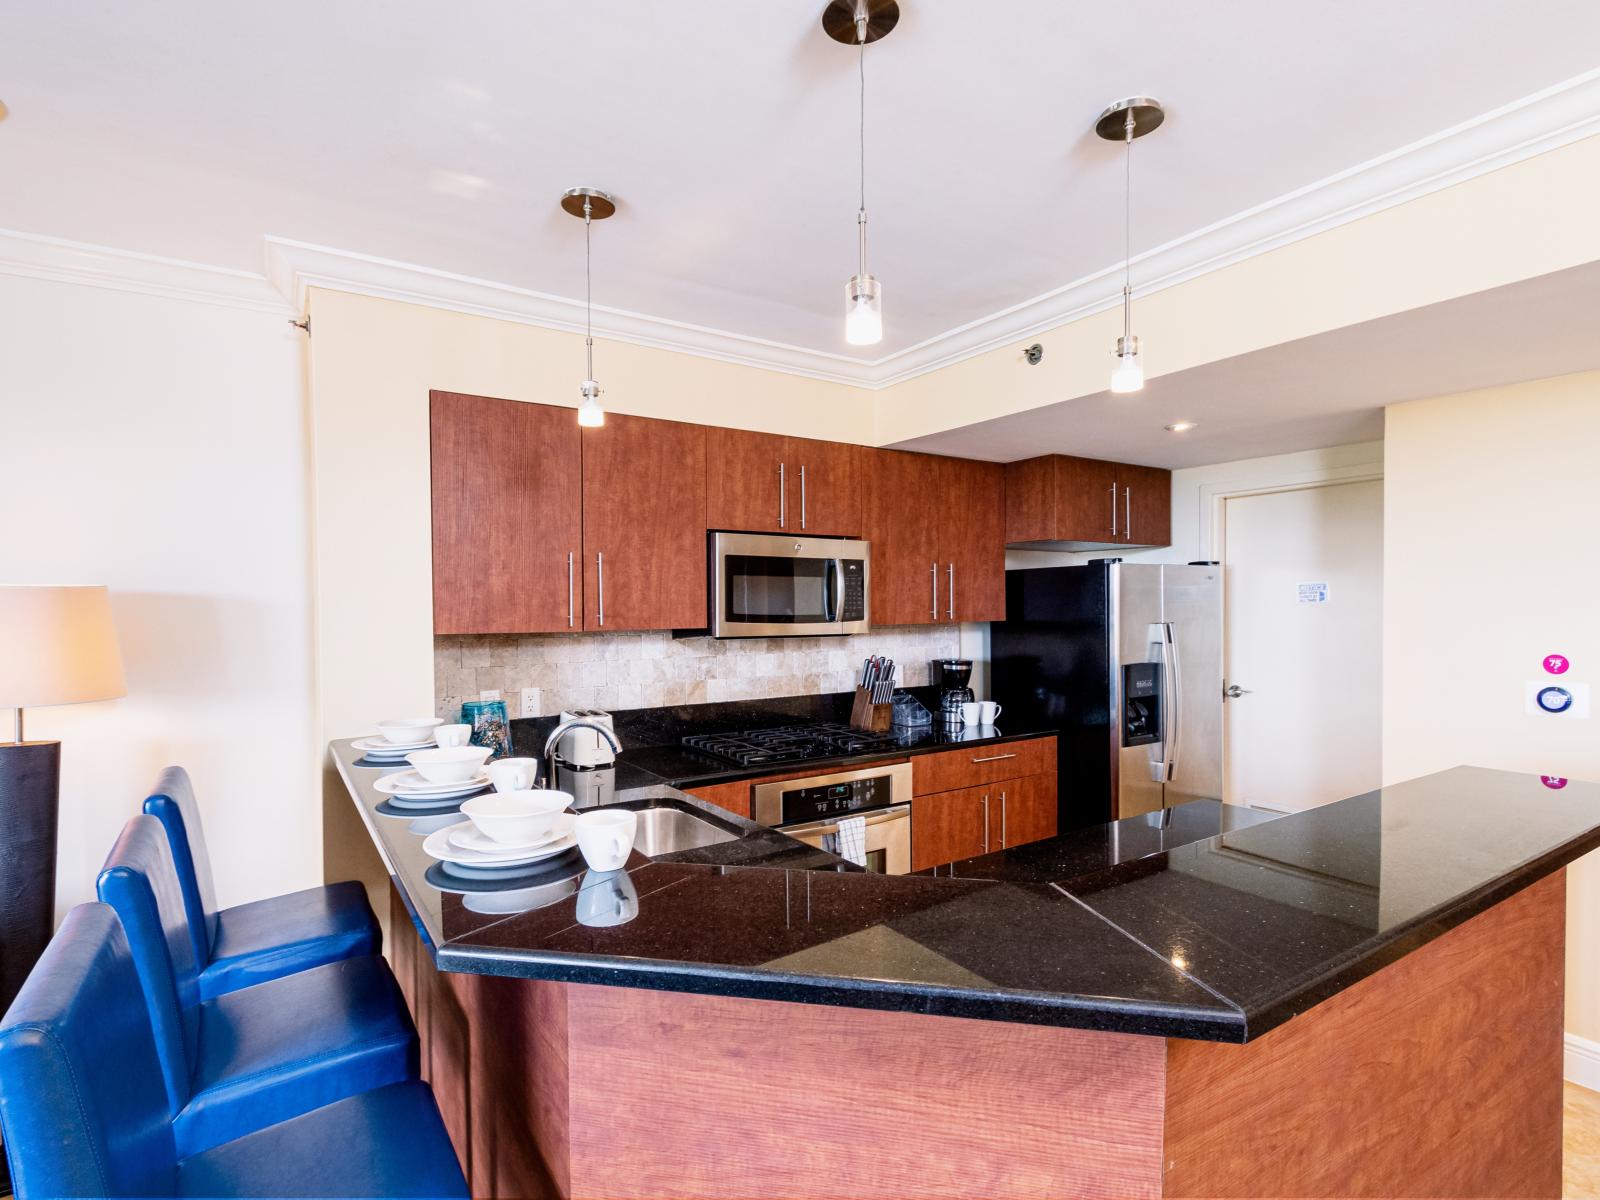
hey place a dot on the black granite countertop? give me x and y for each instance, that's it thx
(1204, 922)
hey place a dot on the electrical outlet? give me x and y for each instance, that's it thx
(530, 702)
(489, 694)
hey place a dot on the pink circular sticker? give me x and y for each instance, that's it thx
(1556, 664)
(1553, 781)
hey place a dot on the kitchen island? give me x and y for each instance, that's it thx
(1363, 999)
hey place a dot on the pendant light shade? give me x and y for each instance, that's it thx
(592, 205)
(855, 23)
(1123, 122)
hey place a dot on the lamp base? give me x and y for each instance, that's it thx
(30, 790)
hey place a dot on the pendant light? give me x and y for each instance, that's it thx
(592, 205)
(1123, 122)
(855, 23)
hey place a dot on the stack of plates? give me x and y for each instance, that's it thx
(412, 795)
(381, 749)
(469, 854)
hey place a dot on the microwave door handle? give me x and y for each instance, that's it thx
(833, 589)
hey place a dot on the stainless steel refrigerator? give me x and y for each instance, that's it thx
(1125, 661)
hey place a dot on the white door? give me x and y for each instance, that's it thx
(1304, 624)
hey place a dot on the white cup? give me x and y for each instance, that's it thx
(988, 712)
(513, 774)
(452, 735)
(970, 712)
(607, 898)
(605, 835)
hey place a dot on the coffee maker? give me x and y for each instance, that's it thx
(950, 676)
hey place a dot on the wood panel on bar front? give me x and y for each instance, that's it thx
(1438, 1076)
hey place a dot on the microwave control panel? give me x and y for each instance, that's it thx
(855, 589)
(1141, 704)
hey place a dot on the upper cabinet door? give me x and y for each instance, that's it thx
(1146, 505)
(823, 481)
(900, 517)
(644, 525)
(505, 515)
(747, 490)
(972, 539)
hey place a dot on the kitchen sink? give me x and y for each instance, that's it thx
(665, 830)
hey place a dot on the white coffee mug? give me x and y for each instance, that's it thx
(988, 712)
(513, 774)
(607, 898)
(448, 736)
(970, 712)
(605, 835)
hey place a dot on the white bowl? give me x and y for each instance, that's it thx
(457, 764)
(516, 818)
(410, 731)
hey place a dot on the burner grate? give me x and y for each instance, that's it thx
(788, 743)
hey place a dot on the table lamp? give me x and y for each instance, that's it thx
(57, 646)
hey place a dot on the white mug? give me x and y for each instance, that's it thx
(513, 774)
(970, 712)
(607, 898)
(448, 736)
(605, 835)
(988, 712)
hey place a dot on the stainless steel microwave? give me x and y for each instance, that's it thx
(771, 585)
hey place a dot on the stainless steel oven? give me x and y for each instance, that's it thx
(770, 585)
(810, 809)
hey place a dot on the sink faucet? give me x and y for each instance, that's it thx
(555, 736)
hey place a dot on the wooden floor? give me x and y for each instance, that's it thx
(1580, 1160)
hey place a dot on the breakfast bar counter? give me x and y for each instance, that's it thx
(665, 1030)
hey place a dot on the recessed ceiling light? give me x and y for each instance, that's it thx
(1181, 426)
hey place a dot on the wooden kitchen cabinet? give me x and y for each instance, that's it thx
(950, 826)
(735, 797)
(950, 769)
(1027, 809)
(765, 483)
(937, 530)
(900, 516)
(644, 524)
(506, 515)
(1058, 501)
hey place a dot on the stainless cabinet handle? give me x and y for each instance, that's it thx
(1127, 524)
(802, 495)
(935, 591)
(1113, 510)
(600, 577)
(571, 616)
(952, 590)
(1002, 820)
(986, 824)
(783, 506)
(994, 758)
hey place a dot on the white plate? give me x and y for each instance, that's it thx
(383, 746)
(439, 846)
(470, 837)
(412, 786)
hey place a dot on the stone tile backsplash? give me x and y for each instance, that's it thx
(653, 670)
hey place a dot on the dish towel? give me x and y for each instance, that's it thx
(852, 840)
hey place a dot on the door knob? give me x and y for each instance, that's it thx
(1234, 691)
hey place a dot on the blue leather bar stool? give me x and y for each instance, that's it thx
(83, 1106)
(266, 939)
(247, 1059)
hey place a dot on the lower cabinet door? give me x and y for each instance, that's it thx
(1027, 809)
(948, 826)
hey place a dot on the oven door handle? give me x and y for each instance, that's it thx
(876, 816)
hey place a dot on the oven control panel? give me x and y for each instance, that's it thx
(828, 797)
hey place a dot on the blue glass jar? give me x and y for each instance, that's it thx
(489, 725)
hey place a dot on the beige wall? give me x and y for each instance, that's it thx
(157, 445)
(1523, 220)
(1492, 561)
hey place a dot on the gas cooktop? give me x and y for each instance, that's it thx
(788, 743)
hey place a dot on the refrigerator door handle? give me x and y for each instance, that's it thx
(1164, 639)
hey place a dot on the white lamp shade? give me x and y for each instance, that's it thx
(57, 646)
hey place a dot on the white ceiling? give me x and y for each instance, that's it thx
(442, 136)
(1327, 390)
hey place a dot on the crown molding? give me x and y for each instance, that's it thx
(1555, 117)
(33, 256)
(296, 267)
